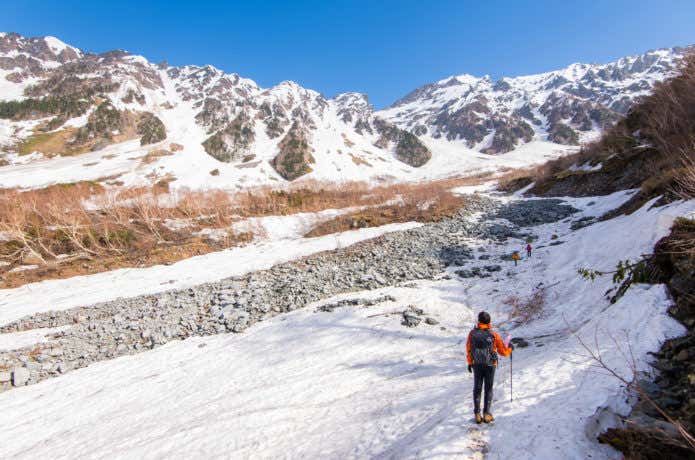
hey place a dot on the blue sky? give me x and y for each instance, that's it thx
(382, 48)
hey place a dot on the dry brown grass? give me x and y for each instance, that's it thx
(71, 229)
(154, 155)
(348, 143)
(62, 142)
(314, 196)
(420, 202)
(56, 223)
(51, 144)
(359, 161)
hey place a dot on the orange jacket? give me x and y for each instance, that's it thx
(498, 345)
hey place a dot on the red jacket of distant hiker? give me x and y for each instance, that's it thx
(498, 345)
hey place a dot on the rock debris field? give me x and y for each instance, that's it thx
(107, 330)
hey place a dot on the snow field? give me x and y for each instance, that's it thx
(349, 384)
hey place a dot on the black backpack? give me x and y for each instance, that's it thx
(482, 347)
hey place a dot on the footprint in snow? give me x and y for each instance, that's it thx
(476, 444)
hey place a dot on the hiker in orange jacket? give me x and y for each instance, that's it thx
(515, 258)
(482, 349)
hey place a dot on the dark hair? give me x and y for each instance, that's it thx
(484, 317)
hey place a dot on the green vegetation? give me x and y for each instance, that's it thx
(101, 124)
(151, 129)
(49, 144)
(295, 154)
(563, 134)
(570, 172)
(410, 150)
(274, 127)
(64, 106)
(625, 274)
(507, 133)
(231, 142)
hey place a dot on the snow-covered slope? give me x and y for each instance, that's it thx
(563, 106)
(226, 131)
(354, 383)
(69, 115)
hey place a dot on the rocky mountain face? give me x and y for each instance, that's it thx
(561, 106)
(58, 100)
(115, 96)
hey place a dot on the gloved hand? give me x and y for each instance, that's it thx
(470, 368)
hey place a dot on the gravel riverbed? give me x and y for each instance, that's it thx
(128, 326)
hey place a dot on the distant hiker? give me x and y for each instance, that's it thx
(515, 258)
(482, 348)
(528, 250)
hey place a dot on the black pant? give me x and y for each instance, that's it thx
(483, 374)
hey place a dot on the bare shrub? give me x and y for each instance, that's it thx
(629, 379)
(526, 310)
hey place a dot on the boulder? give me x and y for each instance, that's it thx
(410, 319)
(20, 376)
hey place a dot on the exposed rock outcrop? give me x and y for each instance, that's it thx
(232, 142)
(151, 129)
(406, 146)
(294, 157)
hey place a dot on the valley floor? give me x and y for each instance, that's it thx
(354, 382)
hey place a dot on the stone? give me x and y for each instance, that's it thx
(410, 319)
(519, 342)
(20, 376)
(431, 321)
(465, 273)
(416, 310)
(650, 388)
(683, 355)
(126, 326)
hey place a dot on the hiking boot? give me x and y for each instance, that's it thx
(478, 419)
(487, 418)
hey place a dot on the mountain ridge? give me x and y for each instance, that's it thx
(285, 132)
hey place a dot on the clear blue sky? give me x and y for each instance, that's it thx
(384, 48)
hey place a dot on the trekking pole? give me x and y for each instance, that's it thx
(511, 377)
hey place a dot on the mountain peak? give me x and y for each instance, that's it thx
(563, 106)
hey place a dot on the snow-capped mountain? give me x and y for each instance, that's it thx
(60, 101)
(68, 115)
(563, 106)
